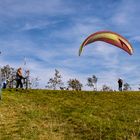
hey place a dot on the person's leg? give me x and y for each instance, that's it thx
(119, 88)
(21, 85)
(17, 84)
(4, 85)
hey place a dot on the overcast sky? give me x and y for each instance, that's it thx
(49, 33)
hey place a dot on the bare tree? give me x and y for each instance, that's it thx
(74, 84)
(33, 82)
(56, 81)
(106, 88)
(92, 82)
(126, 87)
(9, 75)
(27, 79)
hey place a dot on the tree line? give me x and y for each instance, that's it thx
(8, 74)
(56, 83)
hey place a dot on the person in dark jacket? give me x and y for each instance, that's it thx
(120, 84)
(19, 78)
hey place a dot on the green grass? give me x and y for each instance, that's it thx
(69, 115)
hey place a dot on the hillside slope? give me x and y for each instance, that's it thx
(69, 115)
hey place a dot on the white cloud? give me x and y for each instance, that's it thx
(27, 8)
(135, 38)
(126, 17)
(38, 24)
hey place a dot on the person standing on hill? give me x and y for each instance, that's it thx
(19, 78)
(120, 84)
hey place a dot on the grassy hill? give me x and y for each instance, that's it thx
(69, 115)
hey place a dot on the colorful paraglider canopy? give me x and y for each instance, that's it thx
(108, 37)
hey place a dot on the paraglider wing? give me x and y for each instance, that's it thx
(108, 37)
